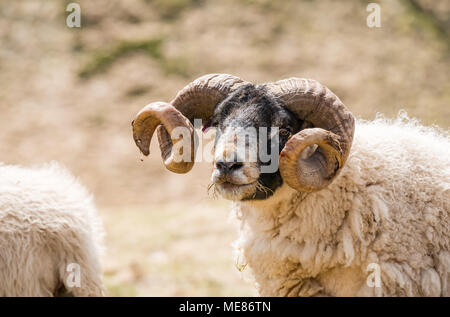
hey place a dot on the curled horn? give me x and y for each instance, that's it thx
(195, 101)
(333, 131)
(148, 119)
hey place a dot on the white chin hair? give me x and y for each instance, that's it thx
(236, 192)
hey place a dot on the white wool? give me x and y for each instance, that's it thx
(389, 205)
(47, 221)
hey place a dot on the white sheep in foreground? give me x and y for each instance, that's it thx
(50, 234)
(370, 204)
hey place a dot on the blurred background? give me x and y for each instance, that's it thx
(69, 94)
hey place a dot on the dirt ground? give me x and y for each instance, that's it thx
(69, 94)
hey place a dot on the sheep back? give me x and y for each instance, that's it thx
(47, 221)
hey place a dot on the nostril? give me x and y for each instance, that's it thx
(228, 166)
(235, 165)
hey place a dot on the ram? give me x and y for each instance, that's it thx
(50, 234)
(354, 208)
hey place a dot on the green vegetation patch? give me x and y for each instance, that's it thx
(101, 61)
(427, 20)
(172, 9)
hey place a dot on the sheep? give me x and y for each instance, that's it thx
(50, 234)
(389, 206)
(355, 208)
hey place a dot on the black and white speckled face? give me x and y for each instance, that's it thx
(249, 114)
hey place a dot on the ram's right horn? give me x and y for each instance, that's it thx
(164, 114)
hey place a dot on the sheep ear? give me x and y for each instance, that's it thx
(206, 126)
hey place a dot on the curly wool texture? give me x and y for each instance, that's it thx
(390, 206)
(47, 221)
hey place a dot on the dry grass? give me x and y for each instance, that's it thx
(70, 95)
(171, 250)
